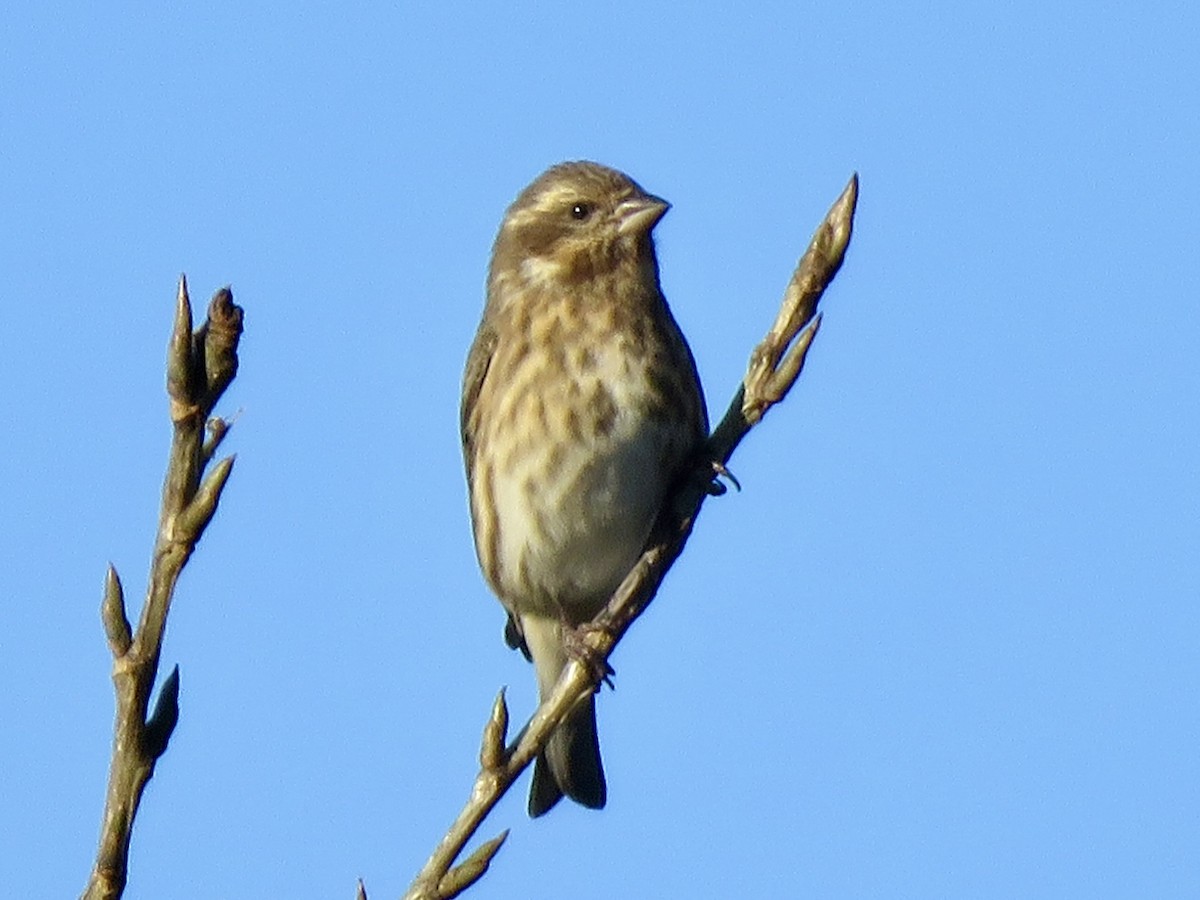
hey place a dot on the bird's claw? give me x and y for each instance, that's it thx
(714, 487)
(578, 649)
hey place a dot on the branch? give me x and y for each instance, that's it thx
(774, 366)
(200, 366)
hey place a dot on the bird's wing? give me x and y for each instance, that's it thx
(478, 362)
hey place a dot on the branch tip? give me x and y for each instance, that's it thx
(179, 352)
(221, 332)
(777, 361)
(495, 735)
(113, 615)
(221, 309)
(832, 236)
(848, 201)
(471, 869)
(196, 515)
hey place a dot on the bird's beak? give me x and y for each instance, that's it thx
(638, 215)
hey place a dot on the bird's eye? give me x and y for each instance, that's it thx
(581, 211)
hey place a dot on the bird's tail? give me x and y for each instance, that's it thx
(570, 764)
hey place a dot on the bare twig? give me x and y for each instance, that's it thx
(774, 366)
(200, 366)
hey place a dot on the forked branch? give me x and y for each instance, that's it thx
(200, 366)
(774, 366)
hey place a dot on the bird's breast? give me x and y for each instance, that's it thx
(572, 463)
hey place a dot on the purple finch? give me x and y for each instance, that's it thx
(581, 407)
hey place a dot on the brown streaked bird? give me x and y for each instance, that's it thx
(581, 406)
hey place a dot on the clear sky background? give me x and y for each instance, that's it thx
(945, 643)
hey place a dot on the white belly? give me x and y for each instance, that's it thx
(572, 520)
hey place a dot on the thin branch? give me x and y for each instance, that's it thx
(774, 366)
(200, 366)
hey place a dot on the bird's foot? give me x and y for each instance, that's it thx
(578, 649)
(712, 471)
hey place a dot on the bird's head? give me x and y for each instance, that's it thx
(577, 221)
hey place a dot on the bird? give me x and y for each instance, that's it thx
(581, 408)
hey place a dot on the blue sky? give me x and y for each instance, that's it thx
(944, 642)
